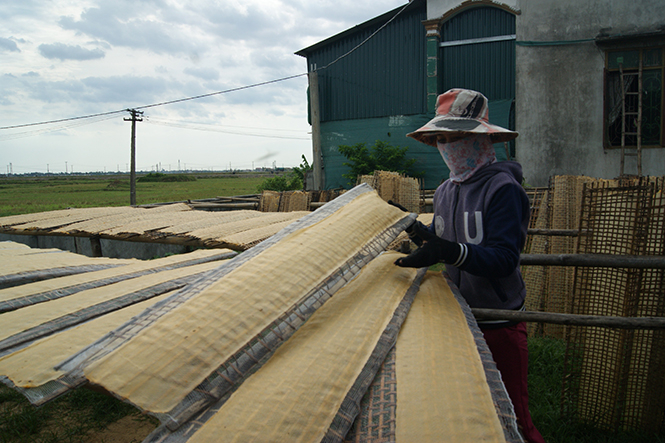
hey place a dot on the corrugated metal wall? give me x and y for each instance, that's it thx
(384, 77)
(485, 67)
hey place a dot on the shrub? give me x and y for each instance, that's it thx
(292, 181)
(280, 183)
(382, 156)
(159, 177)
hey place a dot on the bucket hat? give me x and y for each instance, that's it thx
(461, 111)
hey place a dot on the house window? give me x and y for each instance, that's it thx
(628, 61)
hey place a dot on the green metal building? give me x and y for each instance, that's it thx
(379, 80)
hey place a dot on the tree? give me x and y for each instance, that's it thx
(301, 170)
(382, 156)
(292, 181)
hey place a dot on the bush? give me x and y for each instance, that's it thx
(159, 177)
(293, 181)
(280, 183)
(382, 156)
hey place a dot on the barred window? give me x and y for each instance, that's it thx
(628, 62)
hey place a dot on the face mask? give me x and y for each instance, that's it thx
(466, 156)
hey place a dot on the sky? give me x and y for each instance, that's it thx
(63, 59)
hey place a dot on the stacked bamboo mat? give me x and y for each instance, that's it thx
(281, 343)
(614, 377)
(395, 187)
(171, 224)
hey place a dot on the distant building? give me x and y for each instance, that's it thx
(550, 70)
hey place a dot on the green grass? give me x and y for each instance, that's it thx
(74, 418)
(546, 371)
(23, 195)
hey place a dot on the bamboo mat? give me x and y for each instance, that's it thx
(44, 259)
(74, 215)
(41, 319)
(261, 339)
(192, 341)
(296, 395)
(35, 365)
(173, 224)
(441, 385)
(41, 291)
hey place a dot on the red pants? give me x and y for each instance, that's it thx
(509, 349)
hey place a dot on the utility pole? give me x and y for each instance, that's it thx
(132, 174)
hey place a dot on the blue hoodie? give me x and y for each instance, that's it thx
(488, 214)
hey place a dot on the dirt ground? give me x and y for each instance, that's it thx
(129, 429)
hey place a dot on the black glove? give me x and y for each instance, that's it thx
(434, 250)
(398, 206)
(410, 229)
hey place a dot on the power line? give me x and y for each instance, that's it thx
(156, 104)
(240, 88)
(57, 128)
(63, 120)
(214, 129)
(367, 39)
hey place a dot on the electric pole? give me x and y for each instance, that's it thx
(132, 174)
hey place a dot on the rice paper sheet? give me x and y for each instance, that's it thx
(41, 291)
(441, 386)
(303, 392)
(156, 367)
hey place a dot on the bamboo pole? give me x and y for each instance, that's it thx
(554, 232)
(571, 319)
(594, 260)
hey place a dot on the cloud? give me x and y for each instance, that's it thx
(137, 25)
(66, 52)
(203, 73)
(155, 51)
(8, 45)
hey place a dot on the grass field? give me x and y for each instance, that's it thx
(23, 195)
(84, 416)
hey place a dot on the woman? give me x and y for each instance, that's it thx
(481, 215)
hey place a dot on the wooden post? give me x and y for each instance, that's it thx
(317, 161)
(132, 174)
(96, 246)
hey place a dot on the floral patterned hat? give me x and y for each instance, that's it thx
(461, 111)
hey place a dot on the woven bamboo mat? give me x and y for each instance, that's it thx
(614, 377)
(43, 259)
(5, 246)
(217, 233)
(72, 216)
(207, 332)
(173, 224)
(396, 187)
(300, 390)
(34, 365)
(427, 399)
(251, 237)
(39, 320)
(436, 340)
(38, 292)
(20, 221)
(202, 219)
